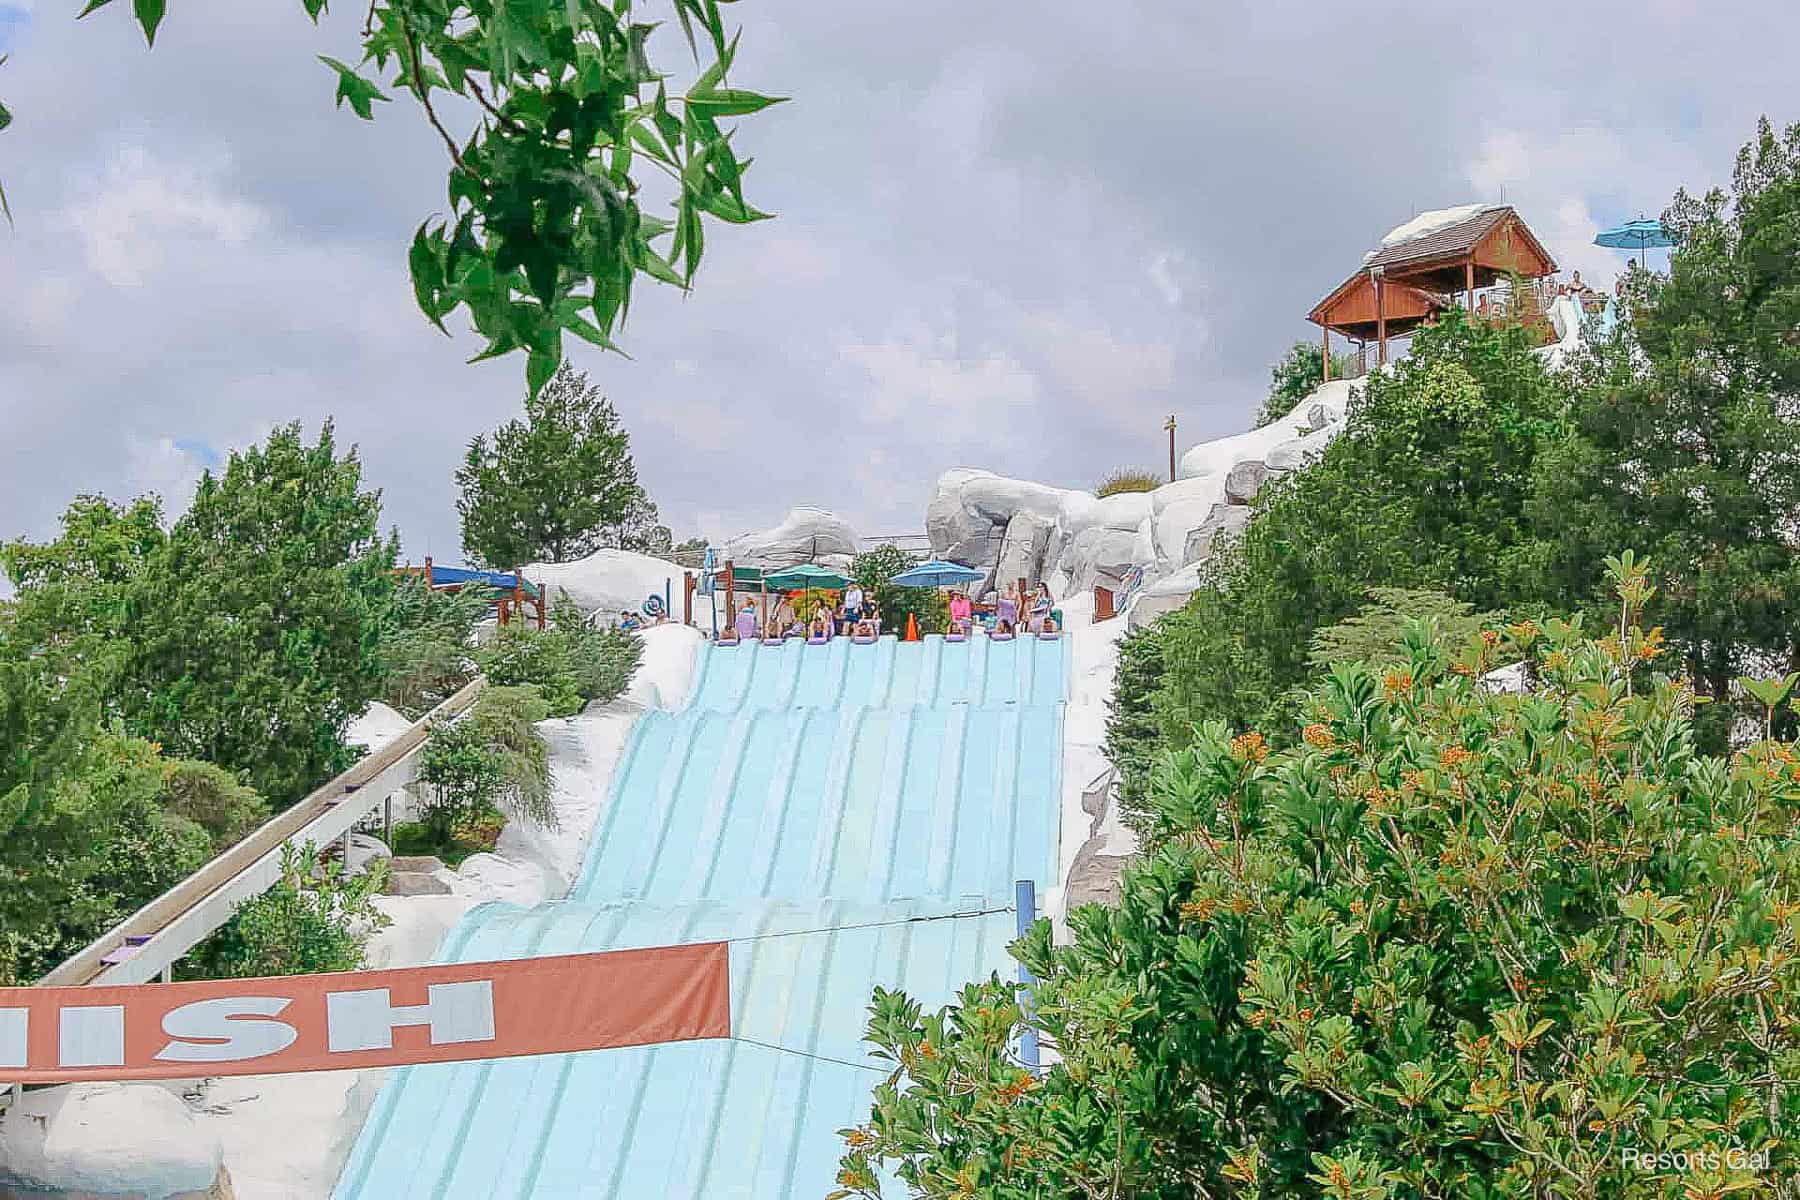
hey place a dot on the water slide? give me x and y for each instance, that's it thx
(845, 816)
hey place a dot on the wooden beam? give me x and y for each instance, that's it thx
(1381, 317)
(1469, 282)
(1325, 351)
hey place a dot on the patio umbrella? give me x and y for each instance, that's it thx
(1638, 235)
(806, 575)
(937, 573)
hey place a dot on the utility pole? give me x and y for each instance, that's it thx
(1171, 428)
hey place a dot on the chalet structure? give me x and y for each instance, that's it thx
(1419, 269)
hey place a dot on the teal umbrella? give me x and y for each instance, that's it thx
(806, 575)
(1638, 235)
(937, 573)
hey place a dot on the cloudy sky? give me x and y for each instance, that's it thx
(1009, 236)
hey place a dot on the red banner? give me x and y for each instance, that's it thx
(365, 1018)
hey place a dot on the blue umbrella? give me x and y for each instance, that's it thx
(937, 573)
(1637, 235)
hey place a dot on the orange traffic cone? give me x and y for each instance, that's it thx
(912, 628)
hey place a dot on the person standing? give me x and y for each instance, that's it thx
(853, 601)
(746, 621)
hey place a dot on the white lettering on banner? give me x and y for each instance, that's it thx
(93, 1036)
(208, 1031)
(15, 1026)
(366, 1020)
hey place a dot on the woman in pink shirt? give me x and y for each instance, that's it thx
(960, 612)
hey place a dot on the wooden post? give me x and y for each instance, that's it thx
(730, 593)
(687, 597)
(1171, 428)
(387, 821)
(1469, 283)
(428, 572)
(1380, 317)
(1325, 351)
(543, 603)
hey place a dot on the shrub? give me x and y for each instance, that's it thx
(572, 663)
(425, 649)
(1129, 480)
(493, 757)
(1375, 634)
(1451, 943)
(315, 919)
(873, 569)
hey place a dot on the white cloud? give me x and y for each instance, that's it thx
(919, 377)
(171, 471)
(1108, 373)
(1554, 178)
(1162, 274)
(143, 210)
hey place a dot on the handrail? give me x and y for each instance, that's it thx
(264, 843)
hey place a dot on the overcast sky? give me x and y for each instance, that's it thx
(1009, 236)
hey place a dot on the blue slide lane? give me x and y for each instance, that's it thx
(846, 816)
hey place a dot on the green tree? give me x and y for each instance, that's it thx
(256, 629)
(1450, 943)
(1132, 734)
(545, 231)
(875, 569)
(557, 485)
(315, 919)
(1427, 487)
(1296, 376)
(1685, 435)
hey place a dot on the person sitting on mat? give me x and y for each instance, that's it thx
(746, 620)
(960, 612)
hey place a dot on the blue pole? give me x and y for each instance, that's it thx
(1025, 905)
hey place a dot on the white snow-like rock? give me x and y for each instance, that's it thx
(377, 726)
(1566, 318)
(1429, 222)
(806, 534)
(1090, 844)
(608, 582)
(976, 517)
(107, 1139)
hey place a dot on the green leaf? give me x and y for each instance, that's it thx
(91, 6)
(539, 368)
(149, 16)
(427, 274)
(354, 88)
(5, 116)
(314, 8)
(731, 102)
(729, 208)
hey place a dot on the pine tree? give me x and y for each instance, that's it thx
(557, 485)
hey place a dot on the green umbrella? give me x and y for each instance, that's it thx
(806, 575)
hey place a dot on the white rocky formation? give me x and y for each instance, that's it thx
(1071, 540)
(806, 534)
(608, 582)
(89, 1141)
(377, 726)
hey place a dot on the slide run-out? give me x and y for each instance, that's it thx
(846, 816)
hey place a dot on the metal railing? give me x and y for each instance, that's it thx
(142, 946)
